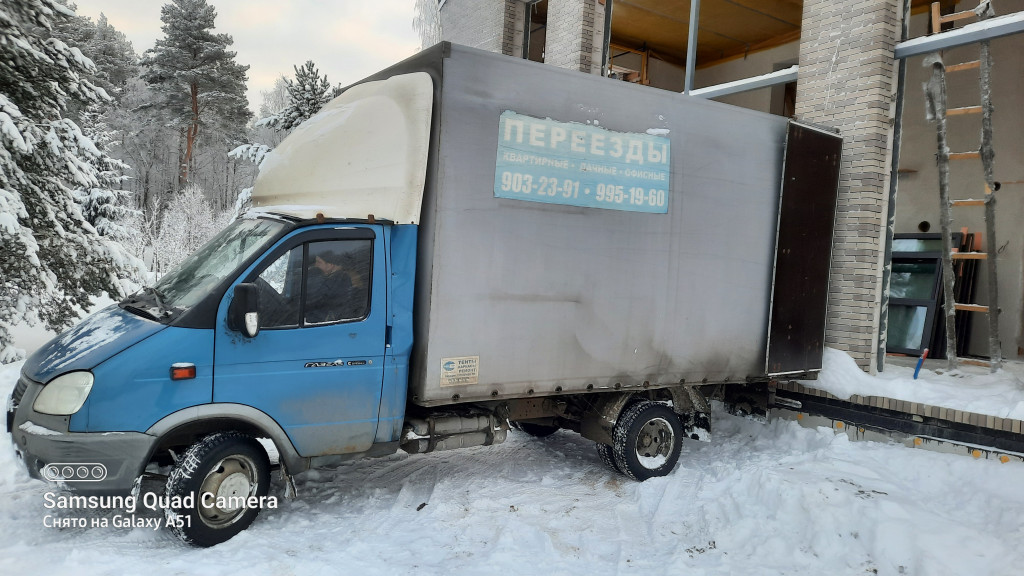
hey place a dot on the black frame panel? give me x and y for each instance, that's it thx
(932, 303)
(803, 250)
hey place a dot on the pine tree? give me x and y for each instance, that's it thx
(110, 51)
(201, 84)
(307, 94)
(105, 205)
(51, 259)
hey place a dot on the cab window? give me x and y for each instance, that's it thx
(317, 283)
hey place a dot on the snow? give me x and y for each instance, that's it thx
(1010, 23)
(658, 131)
(284, 208)
(744, 84)
(29, 338)
(760, 499)
(92, 333)
(1000, 394)
(33, 428)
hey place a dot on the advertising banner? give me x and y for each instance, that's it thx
(543, 160)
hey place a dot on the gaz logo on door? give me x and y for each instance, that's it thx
(460, 371)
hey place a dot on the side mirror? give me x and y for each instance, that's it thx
(243, 314)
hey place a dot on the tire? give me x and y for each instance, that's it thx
(536, 430)
(607, 456)
(222, 465)
(647, 440)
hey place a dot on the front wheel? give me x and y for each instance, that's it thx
(217, 488)
(647, 440)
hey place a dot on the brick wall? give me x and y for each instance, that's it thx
(575, 34)
(475, 23)
(575, 29)
(847, 81)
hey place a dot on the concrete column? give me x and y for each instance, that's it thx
(847, 80)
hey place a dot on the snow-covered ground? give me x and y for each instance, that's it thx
(759, 499)
(971, 389)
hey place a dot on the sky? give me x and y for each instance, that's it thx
(347, 39)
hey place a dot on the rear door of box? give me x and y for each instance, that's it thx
(803, 250)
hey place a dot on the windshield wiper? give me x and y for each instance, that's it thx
(141, 312)
(158, 299)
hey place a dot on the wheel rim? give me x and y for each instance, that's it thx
(654, 443)
(231, 481)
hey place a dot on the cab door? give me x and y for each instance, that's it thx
(316, 365)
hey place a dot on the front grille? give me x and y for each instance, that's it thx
(19, 390)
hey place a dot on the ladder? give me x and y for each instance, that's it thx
(936, 97)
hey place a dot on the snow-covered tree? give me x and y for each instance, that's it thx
(274, 100)
(307, 94)
(104, 205)
(187, 223)
(427, 22)
(51, 258)
(303, 97)
(110, 51)
(201, 84)
(147, 144)
(114, 56)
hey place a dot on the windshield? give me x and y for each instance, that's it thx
(194, 279)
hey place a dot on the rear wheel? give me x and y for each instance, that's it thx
(607, 456)
(647, 440)
(215, 489)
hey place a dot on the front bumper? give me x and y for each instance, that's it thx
(41, 440)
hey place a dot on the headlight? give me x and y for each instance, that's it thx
(64, 394)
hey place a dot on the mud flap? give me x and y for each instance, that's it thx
(697, 425)
(694, 411)
(750, 400)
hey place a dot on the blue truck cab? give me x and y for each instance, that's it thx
(325, 375)
(287, 325)
(443, 252)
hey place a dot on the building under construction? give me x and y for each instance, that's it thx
(928, 98)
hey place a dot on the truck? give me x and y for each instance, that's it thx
(460, 244)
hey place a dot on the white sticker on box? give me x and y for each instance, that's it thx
(460, 371)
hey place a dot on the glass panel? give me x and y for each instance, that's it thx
(913, 279)
(279, 286)
(537, 21)
(906, 326)
(917, 245)
(338, 280)
(194, 278)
